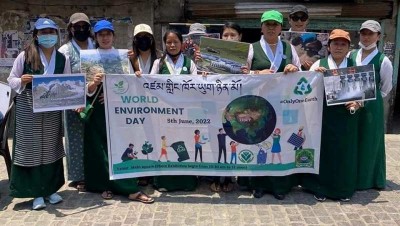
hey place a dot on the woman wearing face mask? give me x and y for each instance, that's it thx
(144, 47)
(37, 169)
(97, 178)
(338, 157)
(173, 62)
(79, 37)
(371, 171)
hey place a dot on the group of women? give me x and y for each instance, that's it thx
(352, 148)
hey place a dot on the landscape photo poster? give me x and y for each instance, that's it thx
(350, 84)
(223, 57)
(191, 43)
(310, 46)
(110, 61)
(58, 92)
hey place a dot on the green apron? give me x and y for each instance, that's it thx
(271, 184)
(338, 157)
(371, 157)
(95, 156)
(174, 183)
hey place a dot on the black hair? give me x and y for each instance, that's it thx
(196, 131)
(232, 25)
(131, 144)
(230, 143)
(220, 129)
(179, 35)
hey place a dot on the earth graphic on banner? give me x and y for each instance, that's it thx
(249, 119)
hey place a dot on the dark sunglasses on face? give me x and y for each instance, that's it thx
(79, 27)
(296, 18)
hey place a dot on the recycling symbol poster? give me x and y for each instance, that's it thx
(219, 125)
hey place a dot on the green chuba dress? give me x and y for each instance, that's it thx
(371, 172)
(176, 183)
(337, 176)
(271, 184)
(96, 156)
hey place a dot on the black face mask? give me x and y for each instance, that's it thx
(81, 35)
(143, 43)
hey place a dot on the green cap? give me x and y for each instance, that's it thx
(272, 15)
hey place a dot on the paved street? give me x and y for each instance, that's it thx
(203, 207)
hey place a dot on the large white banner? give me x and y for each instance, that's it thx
(226, 125)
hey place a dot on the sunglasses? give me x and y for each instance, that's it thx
(79, 27)
(296, 18)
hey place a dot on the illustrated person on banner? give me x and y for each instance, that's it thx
(371, 172)
(163, 148)
(173, 62)
(233, 145)
(37, 168)
(79, 37)
(97, 178)
(267, 56)
(336, 179)
(276, 146)
(129, 154)
(301, 135)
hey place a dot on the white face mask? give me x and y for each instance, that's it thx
(372, 46)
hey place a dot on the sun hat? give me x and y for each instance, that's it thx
(103, 25)
(197, 28)
(43, 23)
(272, 15)
(371, 25)
(339, 33)
(142, 28)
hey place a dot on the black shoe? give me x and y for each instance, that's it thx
(258, 193)
(279, 196)
(319, 198)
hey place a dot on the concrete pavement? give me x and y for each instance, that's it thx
(203, 207)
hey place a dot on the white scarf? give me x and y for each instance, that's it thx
(275, 59)
(144, 67)
(49, 67)
(332, 64)
(366, 59)
(90, 44)
(175, 69)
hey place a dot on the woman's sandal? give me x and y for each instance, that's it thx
(141, 197)
(215, 187)
(81, 186)
(107, 195)
(227, 187)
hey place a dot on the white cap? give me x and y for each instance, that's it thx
(371, 25)
(142, 28)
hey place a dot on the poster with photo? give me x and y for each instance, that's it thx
(350, 84)
(192, 42)
(222, 57)
(310, 46)
(111, 61)
(58, 92)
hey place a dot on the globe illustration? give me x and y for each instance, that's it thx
(249, 119)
